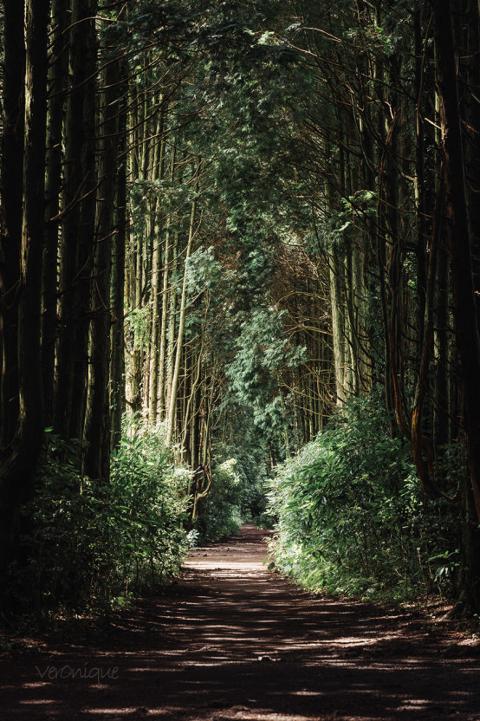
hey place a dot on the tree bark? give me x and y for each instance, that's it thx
(98, 421)
(118, 285)
(11, 212)
(465, 312)
(57, 79)
(180, 334)
(19, 460)
(79, 223)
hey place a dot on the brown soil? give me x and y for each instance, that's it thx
(234, 642)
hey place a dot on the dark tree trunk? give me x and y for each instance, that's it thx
(98, 422)
(420, 179)
(11, 212)
(79, 224)
(57, 79)
(470, 101)
(18, 466)
(466, 323)
(441, 399)
(118, 284)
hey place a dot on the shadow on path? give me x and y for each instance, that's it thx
(234, 642)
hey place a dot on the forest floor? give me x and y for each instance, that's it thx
(232, 641)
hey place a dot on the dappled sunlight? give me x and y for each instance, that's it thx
(130, 711)
(38, 702)
(239, 284)
(256, 648)
(239, 566)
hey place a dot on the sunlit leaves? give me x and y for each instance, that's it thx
(351, 517)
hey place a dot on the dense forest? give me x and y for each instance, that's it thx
(239, 279)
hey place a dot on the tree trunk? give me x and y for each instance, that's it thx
(466, 322)
(57, 79)
(79, 223)
(180, 334)
(17, 470)
(11, 212)
(118, 284)
(98, 421)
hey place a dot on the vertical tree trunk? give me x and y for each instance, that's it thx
(11, 212)
(118, 284)
(57, 79)
(98, 421)
(466, 321)
(470, 67)
(79, 224)
(166, 274)
(180, 334)
(18, 465)
(441, 394)
(172, 314)
(156, 274)
(421, 275)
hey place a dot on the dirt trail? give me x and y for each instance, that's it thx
(233, 642)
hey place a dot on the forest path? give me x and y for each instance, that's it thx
(234, 642)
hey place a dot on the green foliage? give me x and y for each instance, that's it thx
(263, 351)
(251, 468)
(203, 271)
(151, 500)
(220, 512)
(352, 518)
(237, 495)
(94, 546)
(137, 323)
(354, 210)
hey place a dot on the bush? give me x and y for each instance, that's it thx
(238, 492)
(219, 513)
(94, 545)
(351, 518)
(151, 500)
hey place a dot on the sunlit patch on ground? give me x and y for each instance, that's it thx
(233, 642)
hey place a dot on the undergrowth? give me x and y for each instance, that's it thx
(93, 546)
(351, 516)
(237, 494)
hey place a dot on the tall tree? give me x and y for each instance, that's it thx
(20, 457)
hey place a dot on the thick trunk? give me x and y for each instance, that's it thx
(338, 333)
(465, 312)
(79, 224)
(98, 421)
(172, 314)
(18, 466)
(421, 269)
(11, 212)
(441, 398)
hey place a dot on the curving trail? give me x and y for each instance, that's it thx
(234, 642)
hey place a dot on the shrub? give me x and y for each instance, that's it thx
(94, 545)
(238, 492)
(151, 501)
(351, 517)
(219, 513)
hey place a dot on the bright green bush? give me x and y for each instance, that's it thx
(351, 517)
(151, 501)
(95, 545)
